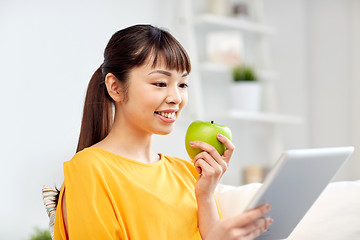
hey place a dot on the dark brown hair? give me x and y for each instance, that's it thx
(127, 48)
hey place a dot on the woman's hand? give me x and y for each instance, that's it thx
(211, 166)
(245, 226)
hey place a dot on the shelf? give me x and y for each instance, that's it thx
(256, 52)
(266, 117)
(214, 67)
(222, 68)
(210, 20)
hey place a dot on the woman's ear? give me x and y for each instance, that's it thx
(114, 87)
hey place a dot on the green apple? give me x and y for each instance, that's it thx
(206, 132)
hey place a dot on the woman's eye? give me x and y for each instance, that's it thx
(184, 85)
(160, 84)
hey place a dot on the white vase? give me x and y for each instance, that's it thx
(218, 7)
(246, 96)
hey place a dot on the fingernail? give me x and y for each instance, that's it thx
(271, 220)
(192, 144)
(220, 135)
(268, 207)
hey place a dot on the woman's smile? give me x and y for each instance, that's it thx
(168, 116)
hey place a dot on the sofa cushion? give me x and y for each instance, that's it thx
(334, 216)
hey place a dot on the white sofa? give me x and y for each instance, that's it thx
(334, 216)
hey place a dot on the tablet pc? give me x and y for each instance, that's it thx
(293, 185)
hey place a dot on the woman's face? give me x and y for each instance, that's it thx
(155, 98)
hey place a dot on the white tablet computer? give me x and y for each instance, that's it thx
(294, 183)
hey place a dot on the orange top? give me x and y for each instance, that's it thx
(112, 197)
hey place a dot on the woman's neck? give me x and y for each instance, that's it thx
(127, 142)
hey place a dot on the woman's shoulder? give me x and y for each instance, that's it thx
(85, 158)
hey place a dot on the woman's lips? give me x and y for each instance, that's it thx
(168, 117)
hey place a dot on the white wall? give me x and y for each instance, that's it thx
(289, 60)
(316, 53)
(332, 98)
(355, 86)
(49, 50)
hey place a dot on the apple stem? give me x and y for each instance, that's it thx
(212, 122)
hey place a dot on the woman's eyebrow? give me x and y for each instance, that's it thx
(167, 73)
(161, 72)
(185, 74)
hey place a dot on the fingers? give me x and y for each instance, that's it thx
(206, 147)
(202, 167)
(251, 215)
(250, 224)
(229, 148)
(256, 228)
(246, 226)
(218, 164)
(210, 165)
(251, 231)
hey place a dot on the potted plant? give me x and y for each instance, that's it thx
(245, 89)
(41, 234)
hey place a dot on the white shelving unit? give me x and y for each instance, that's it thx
(195, 23)
(267, 75)
(265, 117)
(216, 22)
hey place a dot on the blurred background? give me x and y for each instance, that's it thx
(305, 54)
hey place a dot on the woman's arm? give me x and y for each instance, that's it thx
(211, 167)
(64, 212)
(85, 209)
(208, 215)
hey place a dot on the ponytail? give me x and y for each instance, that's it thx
(98, 112)
(127, 49)
(97, 115)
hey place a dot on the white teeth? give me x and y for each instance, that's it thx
(167, 115)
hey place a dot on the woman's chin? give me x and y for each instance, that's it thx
(165, 131)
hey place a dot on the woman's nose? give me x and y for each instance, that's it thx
(174, 96)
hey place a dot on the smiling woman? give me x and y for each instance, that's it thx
(163, 93)
(115, 186)
(119, 61)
